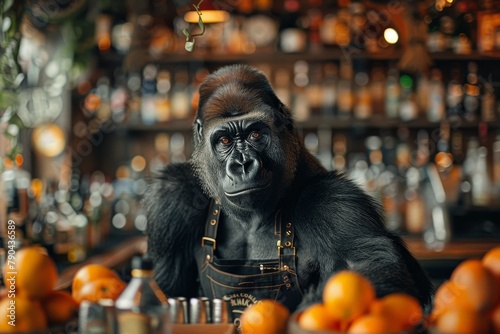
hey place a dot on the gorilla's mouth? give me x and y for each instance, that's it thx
(246, 190)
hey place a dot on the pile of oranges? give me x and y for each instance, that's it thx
(30, 301)
(350, 305)
(469, 302)
(31, 304)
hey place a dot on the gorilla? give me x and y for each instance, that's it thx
(254, 215)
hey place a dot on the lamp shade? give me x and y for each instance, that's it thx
(209, 14)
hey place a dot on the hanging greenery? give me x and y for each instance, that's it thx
(189, 46)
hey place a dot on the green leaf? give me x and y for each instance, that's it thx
(189, 46)
(200, 24)
(7, 99)
(186, 33)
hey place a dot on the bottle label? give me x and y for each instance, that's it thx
(133, 323)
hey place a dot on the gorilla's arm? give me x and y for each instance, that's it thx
(346, 223)
(175, 208)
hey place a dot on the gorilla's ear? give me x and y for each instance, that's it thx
(199, 129)
(282, 118)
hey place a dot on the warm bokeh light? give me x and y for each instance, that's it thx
(138, 163)
(391, 36)
(208, 16)
(49, 140)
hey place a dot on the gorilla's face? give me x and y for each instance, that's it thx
(245, 151)
(247, 173)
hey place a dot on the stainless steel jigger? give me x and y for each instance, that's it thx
(220, 311)
(197, 311)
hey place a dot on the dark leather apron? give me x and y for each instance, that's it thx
(248, 281)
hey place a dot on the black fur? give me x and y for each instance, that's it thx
(337, 225)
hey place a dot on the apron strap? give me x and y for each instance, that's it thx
(208, 241)
(286, 247)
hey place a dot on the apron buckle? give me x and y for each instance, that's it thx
(208, 239)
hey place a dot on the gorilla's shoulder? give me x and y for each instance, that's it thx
(336, 200)
(174, 198)
(175, 182)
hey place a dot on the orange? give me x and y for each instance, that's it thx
(316, 318)
(491, 260)
(371, 324)
(347, 295)
(27, 314)
(404, 310)
(477, 283)
(264, 317)
(495, 319)
(448, 294)
(101, 288)
(461, 320)
(60, 307)
(34, 273)
(88, 273)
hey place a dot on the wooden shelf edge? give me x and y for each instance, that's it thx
(453, 250)
(112, 258)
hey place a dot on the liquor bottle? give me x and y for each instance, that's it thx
(408, 109)
(292, 36)
(363, 106)
(329, 94)
(377, 90)
(481, 182)
(468, 169)
(162, 98)
(436, 105)
(423, 91)
(142, 307)
(161, 158)
(464, 38)
(181, 97)
(335, 30)
(314, 90)
(314, 19)
(392, 91)
(133, 115)
(471, 93)
(339, 152)
(103, 90)
(177, 148)
(119, 98)
(390, 198)
(325, 149)
(345, 95)
(415, 209)
(488, 103)
(300, 107)
(359, 20)
(454, 95)
(148, 90)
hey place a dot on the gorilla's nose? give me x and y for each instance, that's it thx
(246, 167)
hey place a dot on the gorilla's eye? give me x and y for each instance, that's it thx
(224, 140)
(255, 135)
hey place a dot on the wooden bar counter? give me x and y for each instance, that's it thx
(450, 255)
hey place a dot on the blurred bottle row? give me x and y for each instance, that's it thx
(426, 181)
(420, 177)
(71, 218)
(342, 89)
(292, 26)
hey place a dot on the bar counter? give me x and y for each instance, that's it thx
(440, 262)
